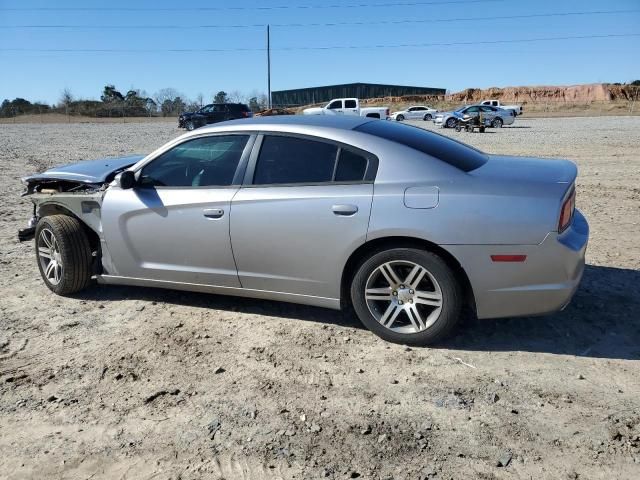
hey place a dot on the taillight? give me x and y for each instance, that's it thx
(566, 214)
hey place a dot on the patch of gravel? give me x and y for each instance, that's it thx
(140, 383)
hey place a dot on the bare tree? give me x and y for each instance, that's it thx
(200, 99)
(165, 94)
(236, 96)
(66, 97)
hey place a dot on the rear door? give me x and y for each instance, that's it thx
(305, 206)
(415, 112)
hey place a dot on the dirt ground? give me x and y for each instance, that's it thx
(123, 383)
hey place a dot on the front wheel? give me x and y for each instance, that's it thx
(427, 117)
(497, 123)
(400, 118)
(189, 125)
(451, 122)
(63, 253)
(407, 296)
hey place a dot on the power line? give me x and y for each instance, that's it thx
(272, 7)
(329, 24)
(332, 47)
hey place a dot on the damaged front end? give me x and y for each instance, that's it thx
(75, 189)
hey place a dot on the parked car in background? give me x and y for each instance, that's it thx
(517, 109)
(417, 112)
(496, 117)
(407, 226)
(213, 113)
(348, 106)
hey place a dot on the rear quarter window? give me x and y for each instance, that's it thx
(450, 151)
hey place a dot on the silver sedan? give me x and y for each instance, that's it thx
(404, 225)
(496, 117)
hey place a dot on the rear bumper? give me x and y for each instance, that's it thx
(544, 283)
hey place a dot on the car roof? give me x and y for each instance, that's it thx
(348, 122)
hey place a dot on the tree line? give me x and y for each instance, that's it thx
(133, 103)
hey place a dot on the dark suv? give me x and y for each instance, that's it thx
(215, 112)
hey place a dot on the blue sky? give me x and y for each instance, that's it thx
(41, 75)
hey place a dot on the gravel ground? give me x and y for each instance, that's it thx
(143, 383)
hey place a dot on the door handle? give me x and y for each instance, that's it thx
(345, 210)
(213, 212)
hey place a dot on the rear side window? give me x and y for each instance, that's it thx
(349, 104)
(238, 107)
(294, 160)
(445, 149)
(351, 167)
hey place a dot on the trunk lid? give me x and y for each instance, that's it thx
(527, 170)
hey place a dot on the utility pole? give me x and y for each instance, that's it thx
(268, 67)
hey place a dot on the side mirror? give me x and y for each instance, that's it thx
(127, 180)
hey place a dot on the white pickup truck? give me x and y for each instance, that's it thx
(348, 106)
(517, 109)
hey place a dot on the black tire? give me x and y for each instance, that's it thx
(451, 122)
(400, 118)
(497, 122)
(428, 117)
(189, 125)
(73, 251)
(452, 297)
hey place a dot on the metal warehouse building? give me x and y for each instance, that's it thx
(306, 96)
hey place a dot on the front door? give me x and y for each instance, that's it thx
(306, 209)
(174, 224)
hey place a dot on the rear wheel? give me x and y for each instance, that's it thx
(497, 123)
(63, 253)
(400, 118)
(406, 295)
(427, 117)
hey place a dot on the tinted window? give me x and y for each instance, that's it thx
(472, 110)
(294, 160)
(219, 108)
(335, 104)
(200, 162)
(349, 104)
(489, 109)
(351, 167)
(238, 107)
(450, 151)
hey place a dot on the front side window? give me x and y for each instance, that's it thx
(201, 162)
(335, 104)
(294, 160)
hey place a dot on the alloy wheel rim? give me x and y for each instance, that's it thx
(403, 296)
(50, 256)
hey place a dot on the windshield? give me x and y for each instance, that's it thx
(450, 151)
